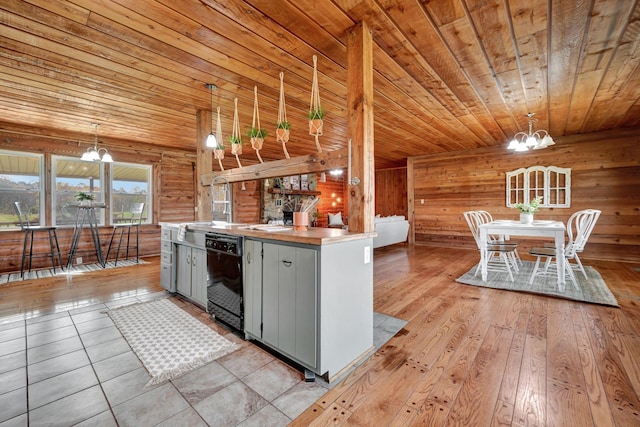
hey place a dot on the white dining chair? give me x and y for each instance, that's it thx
(500, 255)
(500, 240)
(579, 228)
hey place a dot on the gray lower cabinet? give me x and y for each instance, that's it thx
(286, 286)
(191, 273)
(167, 276)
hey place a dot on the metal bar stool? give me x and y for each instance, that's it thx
(134, 222)
(29, 232)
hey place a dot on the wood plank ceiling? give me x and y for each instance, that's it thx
(449, 74)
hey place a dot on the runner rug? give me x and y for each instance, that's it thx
(168, 341)
(593, 289)
(81, 268)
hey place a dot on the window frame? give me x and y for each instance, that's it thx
(529, 190)
(42, 209)
(147, 203)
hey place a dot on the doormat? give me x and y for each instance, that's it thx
(168, 341)
(48, 272)
(593, 289)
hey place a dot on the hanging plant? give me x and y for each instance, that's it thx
(235, 139)
(316, 113)
(218, 150)
(282, 126)
(256, 133)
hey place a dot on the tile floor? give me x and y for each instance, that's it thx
(75, 368)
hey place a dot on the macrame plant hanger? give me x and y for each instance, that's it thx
(236, 138)
(316, 113)
(257, 137)
(282, 127)
(218, 151)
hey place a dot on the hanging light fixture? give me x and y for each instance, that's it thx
(212, 141)
(533, 140)
(93, 153)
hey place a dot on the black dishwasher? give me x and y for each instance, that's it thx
(224, 279)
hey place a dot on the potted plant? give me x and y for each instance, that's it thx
(528, 209)
(218, 151)
(84, 198)
(282, 131)
(315, 121)
(236, 144)
(257, 136)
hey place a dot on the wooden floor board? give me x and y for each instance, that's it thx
(467, 356)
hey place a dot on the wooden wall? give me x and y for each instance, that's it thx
(391, 192)
(605, 175)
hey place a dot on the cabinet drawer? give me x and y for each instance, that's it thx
(165, 277)
(165, 245)
(166, 257)
(166, 234)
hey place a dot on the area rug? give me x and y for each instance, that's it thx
(593, 289)
(168, 341)
(48, 272)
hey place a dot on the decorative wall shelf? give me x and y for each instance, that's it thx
(294, 192)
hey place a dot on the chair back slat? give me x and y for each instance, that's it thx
(475, 220)
(23, 215)
(579, 228)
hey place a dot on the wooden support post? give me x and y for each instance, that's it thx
(204, 165)
(360, 128)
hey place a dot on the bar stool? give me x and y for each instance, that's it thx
(134, 222)
(29, 232)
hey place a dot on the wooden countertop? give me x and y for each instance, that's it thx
(311, 236)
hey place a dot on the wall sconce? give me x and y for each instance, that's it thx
(93, 153)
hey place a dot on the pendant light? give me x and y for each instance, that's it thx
(212, 141)
(533, 140)
(93, 153)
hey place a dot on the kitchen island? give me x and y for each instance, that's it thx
(307, 294)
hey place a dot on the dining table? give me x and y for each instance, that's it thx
(537, 228)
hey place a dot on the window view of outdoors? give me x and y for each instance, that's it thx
(129, 185)
(70, 177)
(20, 181)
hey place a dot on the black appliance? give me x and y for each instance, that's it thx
(287, 217)
(224, 279)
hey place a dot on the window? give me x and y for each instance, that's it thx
(552, 183)
(21, 181)
(71, 175)
(130, 183)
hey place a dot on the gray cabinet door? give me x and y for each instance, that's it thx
(252, 271)
(183, 270)
(289, 304)
(199, 275)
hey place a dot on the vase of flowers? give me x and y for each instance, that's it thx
(528, 209)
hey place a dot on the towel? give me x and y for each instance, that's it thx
(182, 231)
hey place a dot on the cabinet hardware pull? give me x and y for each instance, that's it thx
(287, 263)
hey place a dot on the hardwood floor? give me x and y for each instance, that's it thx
(468, 356)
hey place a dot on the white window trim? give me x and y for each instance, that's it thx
(523, 175)
(148, 205)
(54, 192)
(41, 186)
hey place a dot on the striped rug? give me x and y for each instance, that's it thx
(48, 272)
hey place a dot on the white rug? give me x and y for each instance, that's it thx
(593, 289)
(168, 341)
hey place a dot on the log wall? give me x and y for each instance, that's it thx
(605, 175)
(391, 192)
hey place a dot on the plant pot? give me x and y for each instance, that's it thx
(282, 135)
(315, 127)
(526, 218)
(300, 221)
(236, 149)
(256, 142)
(218, 154)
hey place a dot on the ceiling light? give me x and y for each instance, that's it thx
(533, 140)
(93, 153)
(335, 172)
(212, 141)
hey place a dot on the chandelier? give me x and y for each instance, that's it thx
(533, 140)
(93, 153)
(212, 141)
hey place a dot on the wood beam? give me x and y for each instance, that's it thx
(360, 128)
(204, 164)
(316, 162)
